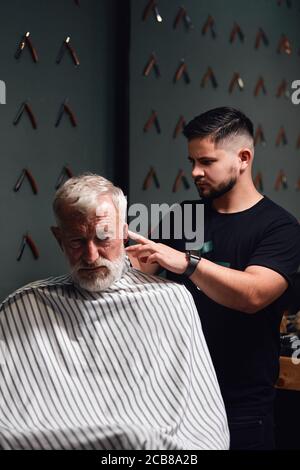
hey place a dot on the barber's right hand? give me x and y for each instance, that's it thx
(140, 262)
(149, 253)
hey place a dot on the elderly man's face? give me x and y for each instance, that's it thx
(93, 244)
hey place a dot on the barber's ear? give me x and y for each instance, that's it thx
(245, 156)
(125, 233)
(57, 234)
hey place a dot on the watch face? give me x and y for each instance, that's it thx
(196, 253)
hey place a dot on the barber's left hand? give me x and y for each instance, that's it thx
(148, 251)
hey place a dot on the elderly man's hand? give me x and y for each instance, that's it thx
(148, 252)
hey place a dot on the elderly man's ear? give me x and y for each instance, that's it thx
(57, 234)
(125, 233)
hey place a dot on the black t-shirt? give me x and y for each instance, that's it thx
(245, 347)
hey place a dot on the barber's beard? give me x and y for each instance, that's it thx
(98, 280)
(210, 193)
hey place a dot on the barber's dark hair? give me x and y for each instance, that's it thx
(218, 124)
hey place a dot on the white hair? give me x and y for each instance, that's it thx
(83, 193)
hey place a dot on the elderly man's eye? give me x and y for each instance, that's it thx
(75, 243)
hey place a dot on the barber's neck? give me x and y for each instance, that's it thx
(241, 197)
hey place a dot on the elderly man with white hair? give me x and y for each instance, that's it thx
(106, 357)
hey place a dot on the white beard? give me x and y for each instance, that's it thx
(96, 281)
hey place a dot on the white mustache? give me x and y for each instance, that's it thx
(95, 282)
(98, 264)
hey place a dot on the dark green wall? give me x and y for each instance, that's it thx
(90, 147)
(171, 100)
(98, 94)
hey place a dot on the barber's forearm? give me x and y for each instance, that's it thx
(231, 288)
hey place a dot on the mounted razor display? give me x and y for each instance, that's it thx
(152, 6)
(28, 240)
(151, 177)
(65, 174)
(281, 137)
(261, 37)
(283, 90)
(260, 86)
(236, 32)
(65, 108)
(152, 64)
(209, 25)
(182, 15)
(259, 136)
(182, 72)
(66, 46)
(26, 174)
(153, 119)
(281, 181)
(25, 107)
(180, 179)
(26, 41)
(284, 45)
(209, 76)
(236, 81)
(179, 127)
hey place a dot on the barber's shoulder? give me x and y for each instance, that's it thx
(278, 213)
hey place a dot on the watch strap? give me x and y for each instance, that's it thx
(193, 261)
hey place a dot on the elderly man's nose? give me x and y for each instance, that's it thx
(91, 253)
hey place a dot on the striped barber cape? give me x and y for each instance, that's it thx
(127, 368)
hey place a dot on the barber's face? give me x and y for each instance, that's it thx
(214, 170)
(93, 244)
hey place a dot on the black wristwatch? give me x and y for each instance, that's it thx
(193, 261)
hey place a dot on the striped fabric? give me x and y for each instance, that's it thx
(127, 368)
